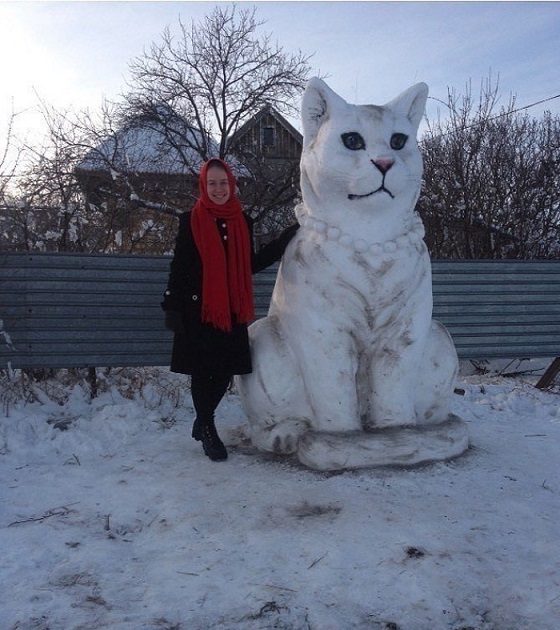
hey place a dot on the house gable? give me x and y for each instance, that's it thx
(267, 134)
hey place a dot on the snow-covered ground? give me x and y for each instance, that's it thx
(111, 517)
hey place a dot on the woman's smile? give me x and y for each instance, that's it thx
(217, 185)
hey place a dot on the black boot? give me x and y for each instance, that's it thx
(205, 432)
(197, 429)
(211, 443)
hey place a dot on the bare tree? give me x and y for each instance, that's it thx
(490, 188)
(17, 222)
(10, 156)
(216, 75)
(54, 207)
(135, 178)
(115, 180)
(50, 212)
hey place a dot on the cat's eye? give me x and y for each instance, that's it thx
(353, 141)
(398, 140)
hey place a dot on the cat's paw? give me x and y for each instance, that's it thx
(280, 438)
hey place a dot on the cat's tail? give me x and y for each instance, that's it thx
(394, 446)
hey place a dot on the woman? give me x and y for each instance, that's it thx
(208, 303)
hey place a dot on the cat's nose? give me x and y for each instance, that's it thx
(383, 164)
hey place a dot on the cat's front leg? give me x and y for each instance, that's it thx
(393, 383)
(328, 362)
(272, 394)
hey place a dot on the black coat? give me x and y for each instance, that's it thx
(203, 348)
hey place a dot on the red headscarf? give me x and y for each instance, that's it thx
(226, 280)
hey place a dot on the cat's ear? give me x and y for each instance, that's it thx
(411, 103)
(318, 103)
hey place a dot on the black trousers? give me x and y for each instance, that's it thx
(207, 391)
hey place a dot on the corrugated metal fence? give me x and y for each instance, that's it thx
(82, 310)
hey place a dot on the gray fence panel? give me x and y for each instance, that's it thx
(499, 308)
(81, 310)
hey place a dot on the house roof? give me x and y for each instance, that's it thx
(146, 147)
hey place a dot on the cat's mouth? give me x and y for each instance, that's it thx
(373, 192)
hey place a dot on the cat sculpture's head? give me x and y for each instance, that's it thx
(360, 164)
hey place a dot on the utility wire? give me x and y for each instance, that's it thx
(545, 100)
(507, 113)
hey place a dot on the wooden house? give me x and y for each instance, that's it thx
(143, 176)
(269, 147)
(267, 136)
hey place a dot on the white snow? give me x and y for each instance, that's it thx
(115, 519)
(145, 148)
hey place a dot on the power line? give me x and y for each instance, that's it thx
(545, 100)
(520, 109)
(506, 113)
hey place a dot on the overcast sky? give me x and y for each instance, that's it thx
(76, 53)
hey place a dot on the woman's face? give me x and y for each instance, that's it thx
(217, 185)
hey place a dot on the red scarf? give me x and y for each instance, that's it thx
(226, 280)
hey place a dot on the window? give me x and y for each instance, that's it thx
(268, 136)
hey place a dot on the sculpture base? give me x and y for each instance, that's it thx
(393, 446)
